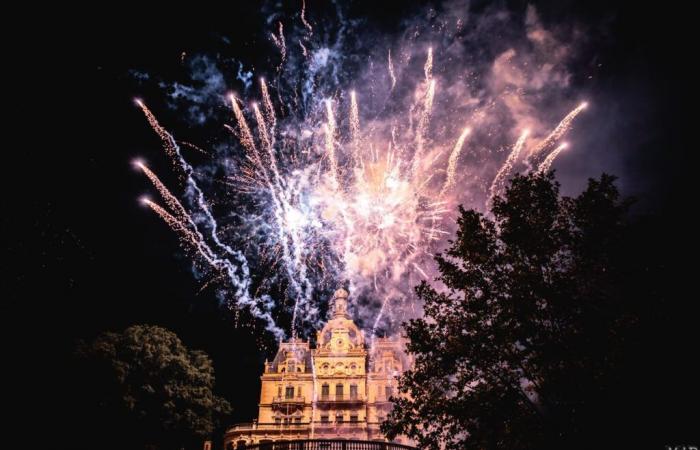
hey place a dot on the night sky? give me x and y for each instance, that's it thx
(81, 256)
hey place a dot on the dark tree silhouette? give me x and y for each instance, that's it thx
(158, 392)
(520, 345)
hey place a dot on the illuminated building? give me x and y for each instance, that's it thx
(338, 390)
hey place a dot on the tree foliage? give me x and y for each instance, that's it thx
(526, 324)
(146, 378)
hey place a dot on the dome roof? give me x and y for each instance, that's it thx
(341, 324)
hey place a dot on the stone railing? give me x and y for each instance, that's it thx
(339, 398)
(325, 444)
(296, 399)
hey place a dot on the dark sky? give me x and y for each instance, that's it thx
(81, 256)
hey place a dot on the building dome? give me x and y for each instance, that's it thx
(340, 329)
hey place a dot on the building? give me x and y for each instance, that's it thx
(338, 390)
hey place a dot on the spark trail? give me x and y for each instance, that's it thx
(392, 75)
(330, 143)
(246, 136)
(269, 109)
(452, 162)
(559, 131)
(424, 119)
(501, 176)
(169, 198)
(547, 163)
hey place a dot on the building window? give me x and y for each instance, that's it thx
(279, 391)
(289, 392)
(278, 420)
(353, 391)
(338, 391)
(389, 391)
(297, 419)
(324, 419)
(354, 418)
(339, 418)
(325, 391)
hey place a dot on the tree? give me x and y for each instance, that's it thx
(158, 392)
(520, 345)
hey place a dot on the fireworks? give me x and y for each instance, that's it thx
(330, 143)
(428, 67)
(169, 198)
(280, 43)
(246, 136)
(499, 180)
(325, 193)
(452, 163)
(424, 119)
(547, 163)
(354, 124)
(392, 75)
(559, 131)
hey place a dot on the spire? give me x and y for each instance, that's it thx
(340, 303)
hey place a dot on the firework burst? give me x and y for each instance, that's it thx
(327, 191)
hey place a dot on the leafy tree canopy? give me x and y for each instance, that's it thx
(526, 324)
(145, 377)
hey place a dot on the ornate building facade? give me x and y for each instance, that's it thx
(338, 390)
